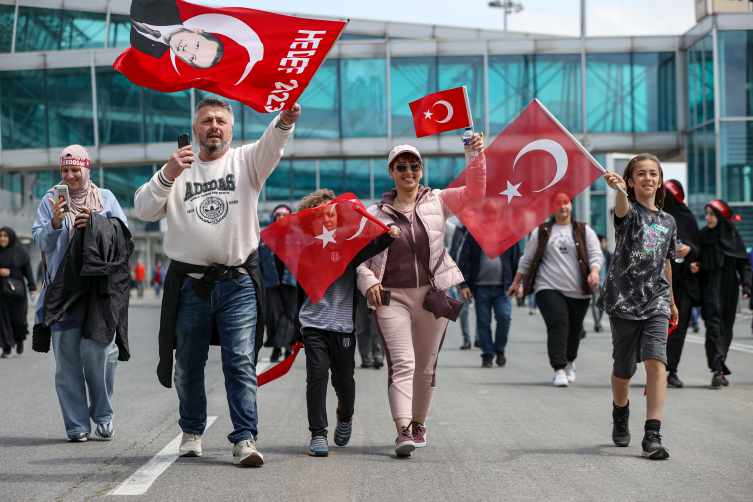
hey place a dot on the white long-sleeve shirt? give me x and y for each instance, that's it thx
(211, 208)
(559, 268)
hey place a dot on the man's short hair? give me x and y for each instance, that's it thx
(215, 102)
(601, 237)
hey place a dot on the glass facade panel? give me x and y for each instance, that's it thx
(382, 180)
(57, 29)
(364, 97)
(710, 151)
(599, 213)
(609, 87)
(510, 89)
(320, 100)
(558, 87)
(304, 176)
(279, 184)
(654, 92)
(358, 178)
(169, 115)
(456, 71)
(46, 180)
(694, 60)
(22, 103)
(255, 123)
(736, 140)
(120, 31)
(120, 109)
(708, 77)
(6, 21)
(410, 79)
(736, 73)
(701, 159)
(70, 115)
(442, 171)
(123, 181)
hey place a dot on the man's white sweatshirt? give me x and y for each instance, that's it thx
(211, 208)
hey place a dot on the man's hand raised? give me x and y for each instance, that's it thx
(179, 161)
(290, 116)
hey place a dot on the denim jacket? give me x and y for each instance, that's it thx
(269, 269)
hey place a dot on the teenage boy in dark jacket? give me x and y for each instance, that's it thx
(488, 281)
(327, 329)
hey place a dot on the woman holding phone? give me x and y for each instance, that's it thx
(80, 363)
(411, 335)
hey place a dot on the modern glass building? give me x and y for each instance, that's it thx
(684, 98)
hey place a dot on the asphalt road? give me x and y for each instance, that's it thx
(493, 434)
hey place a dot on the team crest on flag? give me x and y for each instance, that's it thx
(346, 342)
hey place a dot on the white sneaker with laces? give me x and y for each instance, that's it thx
(570, 372)
(560, 378)
(245, 453)
(190, 445)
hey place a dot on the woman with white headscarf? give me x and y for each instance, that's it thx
(80, 363)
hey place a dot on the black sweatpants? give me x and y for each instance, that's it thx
(564, 320)
(325, 351)
(676, 340)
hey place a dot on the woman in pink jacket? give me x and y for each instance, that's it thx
(412, 336)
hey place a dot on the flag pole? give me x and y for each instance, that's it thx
(582, 148)
(468, 107)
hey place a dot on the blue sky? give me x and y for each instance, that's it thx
(562, 17)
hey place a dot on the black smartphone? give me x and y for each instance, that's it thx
(184, 140)
(386, 296)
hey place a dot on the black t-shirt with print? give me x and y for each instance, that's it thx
(636, 286)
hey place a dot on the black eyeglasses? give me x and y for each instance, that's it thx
(402, 166)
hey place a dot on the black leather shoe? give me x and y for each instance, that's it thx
(620, 430)
(716, 379)
(378, 364)
(501, 361)
(673, 381)
(487, 361)
(652, 447)
(466, 345)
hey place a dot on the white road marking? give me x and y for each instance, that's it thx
(733, 346)
(140, 481)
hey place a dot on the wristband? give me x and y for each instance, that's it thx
(672, 305)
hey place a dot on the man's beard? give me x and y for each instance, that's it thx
(213, 148)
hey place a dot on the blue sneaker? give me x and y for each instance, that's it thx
(343, 431)
(104, 431)
(318, 446)
(78, 437)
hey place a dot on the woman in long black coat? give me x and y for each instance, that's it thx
(14, 264)
(724, 268)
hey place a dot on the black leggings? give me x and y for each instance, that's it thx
(564, 321)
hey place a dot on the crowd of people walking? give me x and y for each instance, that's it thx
(228, 287)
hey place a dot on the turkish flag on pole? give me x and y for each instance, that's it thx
(532, 169)
(317, 244)
(441, 111)
(261, 59)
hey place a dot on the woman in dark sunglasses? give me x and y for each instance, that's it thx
(411, 335)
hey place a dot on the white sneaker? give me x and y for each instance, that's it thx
(190, 445)
(245, 453)
(570, 372)
(560, 378)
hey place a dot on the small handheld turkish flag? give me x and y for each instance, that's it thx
(534, 167)
(441, 112)
(261, 59)
(317, 244)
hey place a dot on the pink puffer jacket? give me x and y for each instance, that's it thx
(433, 209)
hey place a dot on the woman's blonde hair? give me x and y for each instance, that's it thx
(315, 199)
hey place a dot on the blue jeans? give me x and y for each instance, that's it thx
(232, 307)
(488, 297)
(79, 364)
(157, 289)
(463, 317)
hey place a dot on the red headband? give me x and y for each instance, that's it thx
(75, 161)
(724, 210)
(675, 191)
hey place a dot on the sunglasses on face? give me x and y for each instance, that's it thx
(402, 166)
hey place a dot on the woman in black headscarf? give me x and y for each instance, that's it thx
(724, 267)
(685, 284)
(15, 264)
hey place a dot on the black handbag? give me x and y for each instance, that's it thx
(13, 289)
(436, 301)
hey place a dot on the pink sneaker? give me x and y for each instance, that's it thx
(419, 434)
(404, 443)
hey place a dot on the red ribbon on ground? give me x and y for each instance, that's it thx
(279, 369)
(672, 326)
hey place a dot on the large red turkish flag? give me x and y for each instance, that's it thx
(441, 111)
(532, 169)
(317, 244)
(261, 59)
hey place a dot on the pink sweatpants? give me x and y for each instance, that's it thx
(412, 338)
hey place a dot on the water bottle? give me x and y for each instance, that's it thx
(679, 245)
(470, 153)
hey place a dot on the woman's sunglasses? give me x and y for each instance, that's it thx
(402, 166)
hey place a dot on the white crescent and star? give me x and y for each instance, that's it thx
(546, 145)
(450, 111)
(327, 236)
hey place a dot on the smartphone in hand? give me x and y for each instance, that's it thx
(386, 296)
(183, 140)
(61, 192)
